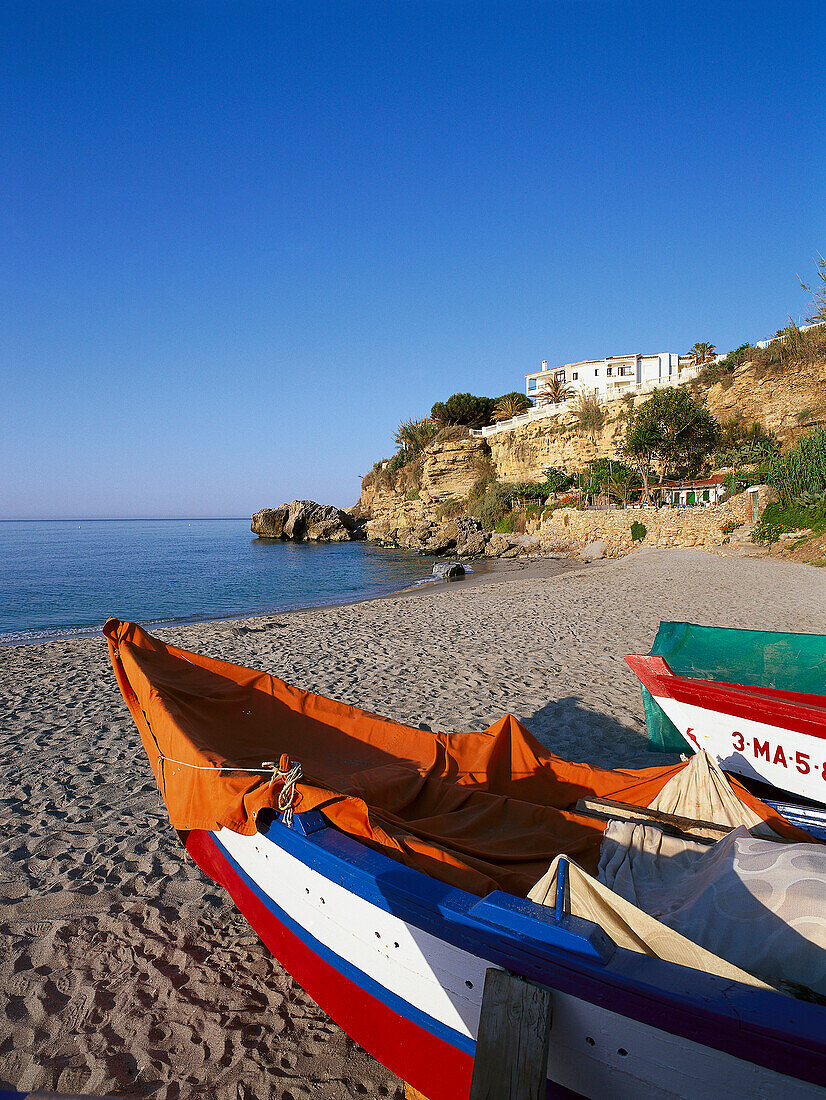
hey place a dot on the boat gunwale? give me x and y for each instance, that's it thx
(777, 707)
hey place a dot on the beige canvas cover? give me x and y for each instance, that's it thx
(745, 904)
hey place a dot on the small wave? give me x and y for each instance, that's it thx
(49, 634)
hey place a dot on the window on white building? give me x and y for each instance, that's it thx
(531, 383)
(609, 372)
(596, 373)
(575, 375)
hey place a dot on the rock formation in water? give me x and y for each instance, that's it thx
(305, 520)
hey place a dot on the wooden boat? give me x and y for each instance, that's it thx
(765, 734)
(398, 956)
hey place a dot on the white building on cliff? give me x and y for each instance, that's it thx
(614, 376)
(611, 378)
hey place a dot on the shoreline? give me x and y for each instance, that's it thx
(485, 574)
(125, 969)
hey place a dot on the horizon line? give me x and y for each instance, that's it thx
(108, 519)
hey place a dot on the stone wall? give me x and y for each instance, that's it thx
(698, 526)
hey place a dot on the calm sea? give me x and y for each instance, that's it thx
(64, 579)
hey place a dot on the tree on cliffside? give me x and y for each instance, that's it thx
(510, 404)
(702, 353)
(673, 429)
(818, 292)
(464, 409)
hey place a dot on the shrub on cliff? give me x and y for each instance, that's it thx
(721, 371)
(744, 443)
(464, 409)
(493, 505)
(412, 436)
(448, 509)
(480, 487)
(589, 413)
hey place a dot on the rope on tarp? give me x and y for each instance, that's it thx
(265, 769)
(289, 773)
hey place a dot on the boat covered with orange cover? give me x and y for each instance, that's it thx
(388, 868)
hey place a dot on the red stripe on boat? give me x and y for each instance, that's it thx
(770, 706)
(434, 1067)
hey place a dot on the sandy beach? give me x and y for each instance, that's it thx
(124, 969)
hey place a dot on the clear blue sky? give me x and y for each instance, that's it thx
(241, 241)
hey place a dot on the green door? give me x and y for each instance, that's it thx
(690, 499)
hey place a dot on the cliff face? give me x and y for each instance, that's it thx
(525, 453)
(775, 399)
(409, 496)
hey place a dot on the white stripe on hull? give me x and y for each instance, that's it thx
(784, 758)
(594, 1052)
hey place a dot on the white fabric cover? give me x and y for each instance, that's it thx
(742, 907)
(758, 903)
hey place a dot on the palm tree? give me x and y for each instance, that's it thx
(414, 435)
(702, 353)
(554, 392)
(510, 405)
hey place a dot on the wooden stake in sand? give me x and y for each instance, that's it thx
(512, 1043)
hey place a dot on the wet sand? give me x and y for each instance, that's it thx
(123, 968)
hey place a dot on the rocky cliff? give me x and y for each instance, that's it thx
(449, 468)
(785, 402)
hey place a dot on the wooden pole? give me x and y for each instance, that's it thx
(511, 1060)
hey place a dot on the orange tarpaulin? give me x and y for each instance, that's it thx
(481, 811)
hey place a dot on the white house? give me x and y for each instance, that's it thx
(684, 494)
(615, 375)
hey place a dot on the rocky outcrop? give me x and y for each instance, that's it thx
(452, 466)
(462, 535)
(449, 468)
(306, 520)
